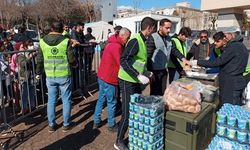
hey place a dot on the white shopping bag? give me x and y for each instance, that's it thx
(246, 95)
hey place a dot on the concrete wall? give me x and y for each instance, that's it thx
(222, 4)
(230, 12)
(109, 10)
(227, 20)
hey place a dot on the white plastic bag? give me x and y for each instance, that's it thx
(246, 95)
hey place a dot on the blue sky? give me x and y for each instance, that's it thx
(147, 4)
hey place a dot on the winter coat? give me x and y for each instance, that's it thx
(232, 63)
(110, 63)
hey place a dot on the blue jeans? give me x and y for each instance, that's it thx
(64, 84)
(28, 95)
(106, 92)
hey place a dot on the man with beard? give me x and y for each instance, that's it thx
(201, 48)
(232, 63)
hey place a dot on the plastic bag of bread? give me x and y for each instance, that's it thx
(183, 97)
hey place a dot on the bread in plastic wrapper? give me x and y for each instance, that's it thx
(183, 97)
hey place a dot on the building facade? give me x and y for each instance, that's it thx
(230, 12)
(134, 22)
(108, 10)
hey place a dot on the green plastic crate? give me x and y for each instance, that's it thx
(215, 104)
(188, 131)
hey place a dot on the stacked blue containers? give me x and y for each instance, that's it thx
(221, 143)
(233, 122)
(146, 116)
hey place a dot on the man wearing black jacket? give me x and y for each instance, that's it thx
(89, 51)
(79, 73)
(175, 68)
(201, 47)
(159, 47)
(132, 74)
(232, 63)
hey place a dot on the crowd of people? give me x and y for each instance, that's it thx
(129, 63)
(22, 64)
(151, 57)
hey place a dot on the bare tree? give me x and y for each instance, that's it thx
(246, 21)
(40, 12)
(182, 14)
(136, 5)
(9, 12)
(89, 6)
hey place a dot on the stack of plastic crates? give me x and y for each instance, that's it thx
(233, 123)
(233, 129)
(146, 116)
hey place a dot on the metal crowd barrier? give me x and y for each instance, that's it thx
(21, 94)
(84, 75)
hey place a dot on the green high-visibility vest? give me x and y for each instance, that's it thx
(65, 33)
(247, 71)
(181, 48)
(55, 59)
(140, 61)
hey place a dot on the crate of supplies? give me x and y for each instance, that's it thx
(146, 117)
(189, 131)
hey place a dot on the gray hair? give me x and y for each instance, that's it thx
(124, 30)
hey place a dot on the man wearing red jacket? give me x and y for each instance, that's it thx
(108, 77)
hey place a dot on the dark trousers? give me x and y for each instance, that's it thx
(158, 86)
(172, 72)
(118, 98)
(237, 97)
(247, 77)
(89, 60)
(127, 89)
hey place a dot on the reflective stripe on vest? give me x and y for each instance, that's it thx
(180, 48)
(55, 59)
(140, 61)
(162, 52)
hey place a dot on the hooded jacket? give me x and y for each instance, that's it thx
(53, 40)
(232, 63)
(110, 63)
(233, 60)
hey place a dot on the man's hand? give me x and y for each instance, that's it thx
(185, 62)
(92, 41)
(143, 79)
(193, 62)
(74, 42)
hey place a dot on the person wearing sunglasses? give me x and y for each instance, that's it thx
(232, 63)
(201, 47)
